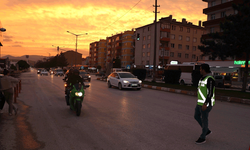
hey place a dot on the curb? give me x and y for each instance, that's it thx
(218, 97)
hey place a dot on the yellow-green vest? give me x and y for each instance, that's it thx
(202, 92)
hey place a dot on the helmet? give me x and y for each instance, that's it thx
(76, 71)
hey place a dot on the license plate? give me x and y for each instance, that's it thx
(134, 84)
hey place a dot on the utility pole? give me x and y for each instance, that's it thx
(155, 23)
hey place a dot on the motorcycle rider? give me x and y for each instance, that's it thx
(75, 78)
(68, 74)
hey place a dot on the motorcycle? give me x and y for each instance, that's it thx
(74, 96)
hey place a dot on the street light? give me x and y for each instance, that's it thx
(2, 30)
(76, 40)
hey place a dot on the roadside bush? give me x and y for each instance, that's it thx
(140, 73)
(172, 76)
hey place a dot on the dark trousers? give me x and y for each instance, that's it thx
(2, 100)
(202, 118)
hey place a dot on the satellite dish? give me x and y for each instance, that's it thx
(2, 29)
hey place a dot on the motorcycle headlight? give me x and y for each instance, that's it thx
(125, 81)
(140, 81)
(78, 94)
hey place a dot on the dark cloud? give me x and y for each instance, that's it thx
(16, 45)
(7, 40)
(18, 42)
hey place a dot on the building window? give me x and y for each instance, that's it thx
(188, 30)
(181, 28)
(179, 46)
(179, 55)
(148, 28)
(172, 45)
(143, 54)
(173, 27)
(148, 45)
(212, 30)
(186, 55)
(148, 54)
(193, 56)
(144, 38)
(149, 37)
(223, 14)
(195, 31)
(171, 54)
(172, 36)
(195, 39)
(223, 1)
(188, 38)
(180, 37)
(213, 3)
(144, 46)
(212, 16)
(187, 47)
(194, 48)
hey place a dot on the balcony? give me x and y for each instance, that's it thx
(166, 48)
(165, 39)
(165, 57)
(220, 6)
(213, 22)
(165, 30)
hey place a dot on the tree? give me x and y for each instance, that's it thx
(234, 41)
(13, 67)
(62, 61)
(23, 65)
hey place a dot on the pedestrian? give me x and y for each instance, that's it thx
(7, 84)
(206, 100)
(2, 101)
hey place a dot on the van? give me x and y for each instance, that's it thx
(223, 81)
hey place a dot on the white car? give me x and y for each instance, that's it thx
(44, 72)
(123, 80)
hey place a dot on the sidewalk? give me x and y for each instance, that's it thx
(221, 98)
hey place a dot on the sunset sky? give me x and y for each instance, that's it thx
(33, 26)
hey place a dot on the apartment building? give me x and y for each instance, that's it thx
(93, 53)
(101, 55)
(216, 12)
(73, 58)
(175, 41)
(128, 49)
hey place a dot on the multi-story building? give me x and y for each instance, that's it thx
(116, 46)
(175, 41)
(216, 12)
(93, 53)
(128, 49)
(73, 58)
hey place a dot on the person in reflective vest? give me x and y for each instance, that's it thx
(206, 100)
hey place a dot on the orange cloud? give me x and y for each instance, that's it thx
(34, 26)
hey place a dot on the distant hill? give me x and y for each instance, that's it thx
(31, 57)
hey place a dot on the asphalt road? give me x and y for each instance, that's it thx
(116, 120)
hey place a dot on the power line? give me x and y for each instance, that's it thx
(123, 15)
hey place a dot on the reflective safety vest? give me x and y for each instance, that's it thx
(202, 92)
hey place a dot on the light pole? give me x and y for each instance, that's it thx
(1, 30)
(76, 41)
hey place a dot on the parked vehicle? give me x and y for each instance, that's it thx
(85, 75)
(44, 72)
(223, 81)
(74, 96)
(186, 71)
(123, 80)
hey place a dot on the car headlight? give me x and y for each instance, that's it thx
(140, 81)
(65, 84)
(125, 81)
(78, 94)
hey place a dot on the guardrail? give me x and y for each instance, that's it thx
(17, 89)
